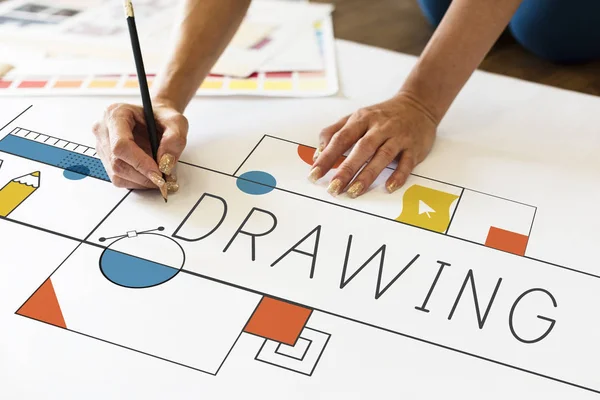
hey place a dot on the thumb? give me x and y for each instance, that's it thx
(172, 145)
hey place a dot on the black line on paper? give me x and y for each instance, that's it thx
(248, 156)
(47, 231)
(292, 357)
(322, 350)
(419, 176)
(530, 229)
(107, 215)
(455, 210)
(49, 276)
(124, 347)
(370, 325)
(15, 118)
(394, 221)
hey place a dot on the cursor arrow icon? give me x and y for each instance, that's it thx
(425, 209)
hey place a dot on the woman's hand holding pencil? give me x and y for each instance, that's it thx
(123, 145)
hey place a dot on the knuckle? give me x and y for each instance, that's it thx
(117, 111)
(119, 147)
(97, 128)
(387, 152)
(362, 114)
(117, 166)
(119, 182)
(345, 171)
(111, 108)
(367, 144)
(368, 174)
(409, 160)
(138, 165)
(340, 140)
(181, 121)
(182, 140)
(325, 132)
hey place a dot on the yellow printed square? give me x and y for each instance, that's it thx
(427, 208)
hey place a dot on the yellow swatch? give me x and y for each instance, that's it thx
(243, 84)
(426, 208)
(211, 84)
(68, 84)
(17, 191)
(313, 84)
(102, 84)
(278, 85)
(131, 84)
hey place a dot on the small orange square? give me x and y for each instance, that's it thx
(508, 241)
(278, 320)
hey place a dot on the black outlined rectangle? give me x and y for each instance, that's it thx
(298, 342)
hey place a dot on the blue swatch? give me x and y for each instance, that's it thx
(256, 182)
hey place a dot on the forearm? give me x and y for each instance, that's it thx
(205, 28)
(458, 46)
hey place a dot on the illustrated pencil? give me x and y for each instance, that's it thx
(145, 92)
(17, 191)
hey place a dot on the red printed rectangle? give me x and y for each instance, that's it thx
(5, 84)
(508, 241)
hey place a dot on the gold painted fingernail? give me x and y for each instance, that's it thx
(157, 179)
(355, 189)
(315, 174)
(318, 151)
(166, 164)
(334, 187)
(171, 178)
(392, 186)
(172, 187)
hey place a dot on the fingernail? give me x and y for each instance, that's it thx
(355, 189)
(318, 151)
(157, 179)
(166, 164)
(172, 187)
(171, 178)
(334, 187)
(392, 186)
(315, 174)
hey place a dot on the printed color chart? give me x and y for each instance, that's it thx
(276, 84)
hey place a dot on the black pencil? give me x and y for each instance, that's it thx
(141, 73)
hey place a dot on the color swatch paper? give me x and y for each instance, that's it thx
(309, 83)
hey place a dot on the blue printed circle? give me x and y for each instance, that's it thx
(129, 262)
(76, 172)
(256, 182)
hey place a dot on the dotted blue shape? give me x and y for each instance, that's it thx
(134, 272)
(51, 155)
(256, 182)
(76, 172)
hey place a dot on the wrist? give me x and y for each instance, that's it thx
(163, 100)
(416, 100)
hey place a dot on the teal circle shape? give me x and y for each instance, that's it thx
(256, 182)
(76, 172)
